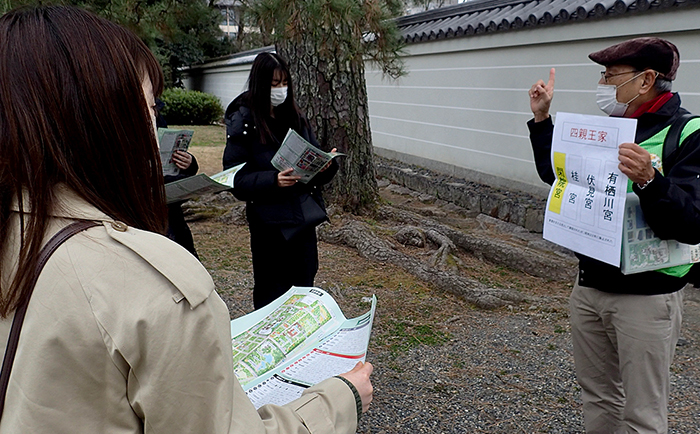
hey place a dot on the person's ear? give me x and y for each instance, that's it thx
(649, 77)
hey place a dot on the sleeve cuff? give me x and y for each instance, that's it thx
(356, 394)
(540, 127)
(656, 188)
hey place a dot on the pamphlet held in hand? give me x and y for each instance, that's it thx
(198, 185)
(643, 251)
(169, 142)
(300, 339)
(300, 155)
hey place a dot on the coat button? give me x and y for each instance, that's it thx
(228, 136)
(119, 226)
(245, 132)
(246, 125)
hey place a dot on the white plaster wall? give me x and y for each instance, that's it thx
(226, 82)
(463, 107)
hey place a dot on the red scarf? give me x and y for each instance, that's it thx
(653, 105)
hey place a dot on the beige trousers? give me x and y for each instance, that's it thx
(623, 348)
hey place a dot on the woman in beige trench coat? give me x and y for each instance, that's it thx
(124, 332)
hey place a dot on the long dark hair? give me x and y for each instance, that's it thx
(72, 112)
(258, 96)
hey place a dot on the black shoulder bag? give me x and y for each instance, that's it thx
(21, 311)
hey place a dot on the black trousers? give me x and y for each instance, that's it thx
(279, 264)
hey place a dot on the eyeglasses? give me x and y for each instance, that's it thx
(608, 77)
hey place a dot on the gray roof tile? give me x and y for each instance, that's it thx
(481, 16)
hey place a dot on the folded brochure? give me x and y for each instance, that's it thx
(300, 339)
(642, 250)
(198, 185)
(297, 153)
(169, 141)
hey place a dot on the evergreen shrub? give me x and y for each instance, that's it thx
(190, 107)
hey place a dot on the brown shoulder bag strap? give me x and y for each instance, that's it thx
(21, 311)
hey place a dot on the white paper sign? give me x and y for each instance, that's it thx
(586, 203)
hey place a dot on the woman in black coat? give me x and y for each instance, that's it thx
(178, 230)
(282, 241)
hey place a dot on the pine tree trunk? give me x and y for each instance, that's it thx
(333, 96)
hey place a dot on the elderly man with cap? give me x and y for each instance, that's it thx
(625, 327)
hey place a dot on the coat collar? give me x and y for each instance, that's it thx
(650, 124)
(665, 112)
(178, 266)
(69, 205)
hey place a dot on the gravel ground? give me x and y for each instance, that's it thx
(442, 366)
(507, 372)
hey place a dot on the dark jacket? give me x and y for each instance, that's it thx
(256, 182)
(178, 230)
(671, 203)
(186, 173)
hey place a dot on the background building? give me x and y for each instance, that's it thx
(231, 13)
(463, 107)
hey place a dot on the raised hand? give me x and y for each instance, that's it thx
(541, 94)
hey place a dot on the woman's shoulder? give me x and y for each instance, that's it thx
(238, 108)
(139, 264)
(239, 118)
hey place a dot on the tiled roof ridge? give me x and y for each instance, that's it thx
(482, 16)
(451, 11)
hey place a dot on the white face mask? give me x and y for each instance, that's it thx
(606, 97)
(278, 95)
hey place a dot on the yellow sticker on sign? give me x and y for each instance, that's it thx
(560, 185)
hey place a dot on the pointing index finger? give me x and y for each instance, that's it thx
(550, 83)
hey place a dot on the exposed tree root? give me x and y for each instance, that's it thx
(443, 258)
(496, 251)
(440, 270)
(358, 235)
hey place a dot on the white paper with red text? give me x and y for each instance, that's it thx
(585, 207)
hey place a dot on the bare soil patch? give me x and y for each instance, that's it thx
(208, 158)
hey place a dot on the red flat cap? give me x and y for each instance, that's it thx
(642, 53)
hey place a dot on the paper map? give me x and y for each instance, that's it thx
(200, 184)
(644, 251)
(297, 341)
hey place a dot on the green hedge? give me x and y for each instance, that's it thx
(190, 107)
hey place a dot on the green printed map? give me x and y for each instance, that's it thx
(266, 344)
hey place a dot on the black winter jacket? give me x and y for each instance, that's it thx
(256, 182)
(671, 204)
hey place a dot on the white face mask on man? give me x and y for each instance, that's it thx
(278, 95)
(606, 98)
